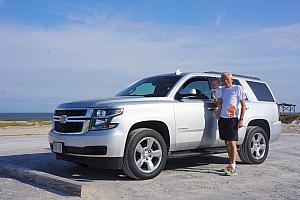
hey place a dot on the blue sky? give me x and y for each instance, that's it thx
(57, 51)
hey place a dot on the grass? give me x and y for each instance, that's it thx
(288, 118)
(40, 122)
(24, 123)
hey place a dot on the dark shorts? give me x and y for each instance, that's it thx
(228, 129)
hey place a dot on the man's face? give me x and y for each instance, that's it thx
(228, 81)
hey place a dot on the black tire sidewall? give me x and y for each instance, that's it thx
(249, 138)
(131, 162)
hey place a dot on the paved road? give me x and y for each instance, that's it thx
(190, 178)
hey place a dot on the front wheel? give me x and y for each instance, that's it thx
(145, 154)
(255, 147)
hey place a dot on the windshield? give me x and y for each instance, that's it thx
(157, 86)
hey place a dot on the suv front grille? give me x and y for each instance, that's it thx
(69, 127)
(70, 112)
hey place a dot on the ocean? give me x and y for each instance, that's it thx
(25, 116)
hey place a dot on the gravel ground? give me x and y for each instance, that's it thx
(191, 178)
(292, 128)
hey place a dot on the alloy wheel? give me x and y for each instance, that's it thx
(148, 155)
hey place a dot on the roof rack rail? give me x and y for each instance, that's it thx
(238, 75)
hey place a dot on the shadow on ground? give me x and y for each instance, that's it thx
(46, 162)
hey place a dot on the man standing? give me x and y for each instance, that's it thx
(228, 98)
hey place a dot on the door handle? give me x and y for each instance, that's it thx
(211, 108)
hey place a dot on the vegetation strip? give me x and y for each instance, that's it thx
(24, 123)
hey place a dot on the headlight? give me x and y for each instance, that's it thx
(102, 118)
(108, 112)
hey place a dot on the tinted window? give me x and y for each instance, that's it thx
(201, 85)
(157, 86)
(214, 82)
(147, 88)
(236, 82)
(261, 91)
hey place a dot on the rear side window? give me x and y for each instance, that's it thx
(236, 82)
(261, 91)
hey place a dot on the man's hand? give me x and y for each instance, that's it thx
(218, 102)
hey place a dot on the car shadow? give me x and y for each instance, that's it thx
(197, 164)
(46, 162)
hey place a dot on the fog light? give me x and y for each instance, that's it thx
(100, 122)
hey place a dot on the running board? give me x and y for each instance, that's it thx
(196, 152)
(181, 154)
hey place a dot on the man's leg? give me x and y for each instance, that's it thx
(228, 149)
(232, 154)
(232, 151)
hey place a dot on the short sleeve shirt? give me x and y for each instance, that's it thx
(230, 100)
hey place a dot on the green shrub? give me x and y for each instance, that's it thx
(288, 118)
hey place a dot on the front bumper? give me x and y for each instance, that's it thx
(93, 144)
(99, 162)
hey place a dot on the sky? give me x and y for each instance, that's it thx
(58, 51)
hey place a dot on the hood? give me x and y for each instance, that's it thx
(108, 102)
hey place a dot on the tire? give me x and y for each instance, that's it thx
(141, 159)
(255, 147)
(81, 164)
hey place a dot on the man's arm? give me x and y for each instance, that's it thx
(218, 102)
(217, 96)
(243, 109)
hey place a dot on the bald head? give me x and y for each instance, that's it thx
(227, 79)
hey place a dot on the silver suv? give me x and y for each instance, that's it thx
(157, 118)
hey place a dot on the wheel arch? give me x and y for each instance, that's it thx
(263, 123)
(158, 126)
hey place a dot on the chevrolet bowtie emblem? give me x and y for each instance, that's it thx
(63, 119)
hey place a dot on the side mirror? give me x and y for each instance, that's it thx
(188, 92)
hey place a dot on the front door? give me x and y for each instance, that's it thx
(196, 122)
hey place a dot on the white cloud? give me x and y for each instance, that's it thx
(101, 55)
(220, 18)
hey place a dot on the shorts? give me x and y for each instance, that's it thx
(228, 129)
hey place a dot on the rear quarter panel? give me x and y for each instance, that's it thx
(267, 111)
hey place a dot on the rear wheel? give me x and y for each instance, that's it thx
(255, 147)
(145, 154)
